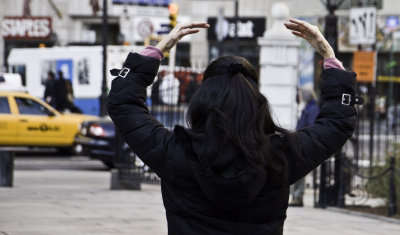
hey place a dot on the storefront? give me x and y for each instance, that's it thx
(26, 32)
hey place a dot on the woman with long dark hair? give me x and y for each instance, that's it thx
(230, 171)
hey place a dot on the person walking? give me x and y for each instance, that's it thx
(229, 172)
(49, 90)
(308, 97)
(61, 91)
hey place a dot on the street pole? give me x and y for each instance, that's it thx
(331, 36)
(104, 95)
(219, 30)
(236, 50)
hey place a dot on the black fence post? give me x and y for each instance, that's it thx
(341, 181)
(315, 187)
(371, 127)
(6, 168)
(322, 200)
(392, 187)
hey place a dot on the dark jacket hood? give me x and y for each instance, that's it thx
(231, 183)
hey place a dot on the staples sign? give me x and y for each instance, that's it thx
(26, 28)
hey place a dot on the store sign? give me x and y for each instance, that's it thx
(364, 66)
(362, 25)
(143, 2)
(26, 28)
(248, 28)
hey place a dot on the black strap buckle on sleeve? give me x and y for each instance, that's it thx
(347, 100)
(120, 72)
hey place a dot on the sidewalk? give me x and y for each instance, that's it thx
(65, 201)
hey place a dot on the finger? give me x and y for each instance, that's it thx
(195, 25)
(302, 35)
(185, 32)
(292, 26)
(295, 27)
(300, 22)
(303, 25)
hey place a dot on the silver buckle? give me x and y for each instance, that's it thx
(346, 99)
(124, 72)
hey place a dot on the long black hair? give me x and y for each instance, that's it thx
(231, 113)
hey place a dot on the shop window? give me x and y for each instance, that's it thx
(113, 32)
(21, 70)
(246, 49)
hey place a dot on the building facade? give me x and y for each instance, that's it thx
(77, 22)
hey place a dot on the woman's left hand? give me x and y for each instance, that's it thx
(313, 36)
(178, 32)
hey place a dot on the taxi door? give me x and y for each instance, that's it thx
(8, 122)
(37, 125)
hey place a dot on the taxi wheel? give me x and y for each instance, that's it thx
(66, 151)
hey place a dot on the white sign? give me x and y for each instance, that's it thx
(26, 28)
(362, 25)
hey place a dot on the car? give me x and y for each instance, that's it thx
(100, 140)
(28, 121)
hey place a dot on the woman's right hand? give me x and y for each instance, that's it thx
(178, 32)
(313, 36)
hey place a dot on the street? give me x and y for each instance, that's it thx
(71, 195)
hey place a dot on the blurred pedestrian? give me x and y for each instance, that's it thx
(70, 98)
(65, 95)
(61, 92)
(230, 171)
(49, 90)
(310, 111)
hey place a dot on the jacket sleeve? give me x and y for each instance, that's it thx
(333, 126)
(145, 135)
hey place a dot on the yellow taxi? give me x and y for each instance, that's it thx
(28, 121)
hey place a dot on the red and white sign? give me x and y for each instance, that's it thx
(14, 27)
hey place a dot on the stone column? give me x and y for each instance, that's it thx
(278, 68)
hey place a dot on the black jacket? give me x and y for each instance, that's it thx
(247, 200)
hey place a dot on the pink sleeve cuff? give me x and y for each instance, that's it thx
(152, 52)
(333, 63)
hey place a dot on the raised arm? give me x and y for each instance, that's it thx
(337, 118)
(313, 36)
(146, 136)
